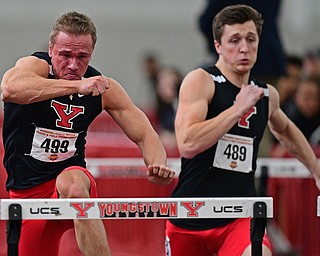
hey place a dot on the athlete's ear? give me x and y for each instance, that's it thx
(217, 45)
(50, 49)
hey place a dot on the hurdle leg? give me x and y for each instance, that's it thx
(14, 229)
(257, 227)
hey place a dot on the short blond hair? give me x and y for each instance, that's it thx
(74, 23)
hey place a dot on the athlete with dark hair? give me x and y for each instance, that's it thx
(221, 117)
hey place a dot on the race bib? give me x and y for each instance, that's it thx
(234, 153)
(53, 146)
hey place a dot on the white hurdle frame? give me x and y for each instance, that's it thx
(137, 208)
(256, 208)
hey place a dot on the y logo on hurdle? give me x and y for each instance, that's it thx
(192, 208)
(82, 209)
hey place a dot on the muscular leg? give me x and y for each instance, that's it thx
(90, 234)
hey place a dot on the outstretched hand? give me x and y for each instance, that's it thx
(160, 174)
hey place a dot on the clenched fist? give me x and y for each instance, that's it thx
(160, 174)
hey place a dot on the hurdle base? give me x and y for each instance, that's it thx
(14, 229)
(257, 227)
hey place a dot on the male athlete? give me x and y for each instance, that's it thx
(50, 99)
(221, 117)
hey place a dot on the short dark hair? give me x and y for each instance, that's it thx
(235, 14)
(76, 24)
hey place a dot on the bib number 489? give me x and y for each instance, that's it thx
(235, 152)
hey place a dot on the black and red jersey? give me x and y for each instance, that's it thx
(43, 138)
(227, 168)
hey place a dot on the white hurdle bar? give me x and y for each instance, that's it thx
(136, 208)
(256, 208)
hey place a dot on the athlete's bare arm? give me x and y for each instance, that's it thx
(27, 83)
(194, 133)
(138, 128)
(291, 137)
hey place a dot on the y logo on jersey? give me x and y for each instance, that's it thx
(66, 113)
(244, 121)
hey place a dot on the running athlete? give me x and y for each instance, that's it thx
(222, 114)
(50, 99)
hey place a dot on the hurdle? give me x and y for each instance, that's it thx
(259, 209)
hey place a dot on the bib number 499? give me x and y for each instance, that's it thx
(55, 146)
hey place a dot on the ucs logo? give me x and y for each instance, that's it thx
(45, 210)
(228, 209)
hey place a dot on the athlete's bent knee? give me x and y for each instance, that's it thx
(73, 184)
